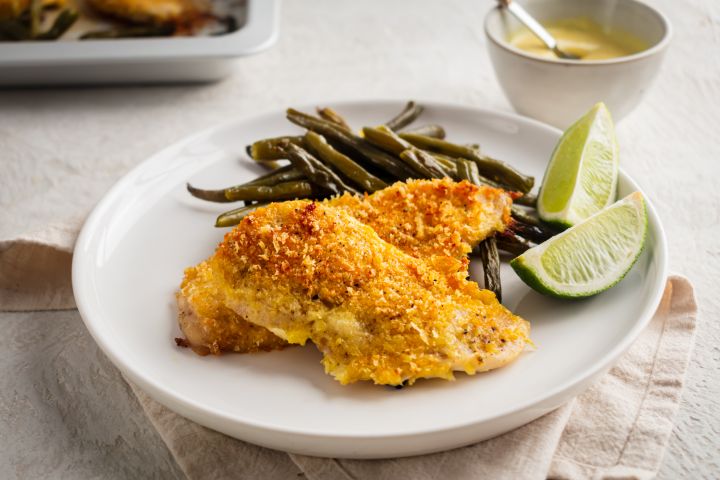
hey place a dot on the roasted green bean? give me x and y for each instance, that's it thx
(345, 165)
(419, 161)
(65, 19)
(317, 172)
(490, 259)
(467, 170)
(281, 191)
(217, 196)
(330, 131)
(269, 150)
(530, 226)
(423, 163)
(385, 139)
(408, 115)
(273, 148)
(435, 131)
(233, 217)
(496, 170)
(531, 232)
(512, 243)
(331, 115)
(288, 173)
(28, 25)
(528, 200)
(524, 216)
(448, 164)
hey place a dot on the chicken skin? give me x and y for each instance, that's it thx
(423, 218)
(309, 271)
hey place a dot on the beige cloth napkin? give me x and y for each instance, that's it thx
(619, 428)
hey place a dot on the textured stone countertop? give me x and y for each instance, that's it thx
(60, 149)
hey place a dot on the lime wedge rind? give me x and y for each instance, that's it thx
(626, 246)
(581, 177)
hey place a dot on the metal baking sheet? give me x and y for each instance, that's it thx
(202, 57)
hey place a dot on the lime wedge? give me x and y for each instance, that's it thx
(590, 257)
(581, 178)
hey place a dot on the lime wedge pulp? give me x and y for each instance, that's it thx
(590, 257)
(581, 178)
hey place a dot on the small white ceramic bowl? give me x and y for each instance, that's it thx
(560, 91)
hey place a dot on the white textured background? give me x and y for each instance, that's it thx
(65, 410)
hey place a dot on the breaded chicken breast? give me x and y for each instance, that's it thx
(152, 11)
(209, 325)
(309, 271)
(421, 217)
(431, 217)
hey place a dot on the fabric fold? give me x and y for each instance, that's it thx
(621, 426)
(618, 428)
(524, 453)
(203, 453)
(36, 270)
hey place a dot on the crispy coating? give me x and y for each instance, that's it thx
(152, 11)
(431, 217)
(422, 217)
(211, 327)
(307, 271)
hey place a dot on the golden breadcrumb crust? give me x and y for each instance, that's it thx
(421, 217)
(307, 271)
(211, 327)
(431, 217)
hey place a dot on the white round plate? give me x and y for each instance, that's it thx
(130, 257)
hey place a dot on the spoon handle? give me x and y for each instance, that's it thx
(526, 19)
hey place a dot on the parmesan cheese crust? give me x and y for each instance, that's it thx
(431, 217)
(307, 271)
(421, 217)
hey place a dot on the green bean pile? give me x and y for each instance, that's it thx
(27, 26)
(331, 159)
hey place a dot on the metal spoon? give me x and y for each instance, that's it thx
(534, 26)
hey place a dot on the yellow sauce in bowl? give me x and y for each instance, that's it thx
(582, 37)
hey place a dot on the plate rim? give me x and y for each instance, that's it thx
(81, 262)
